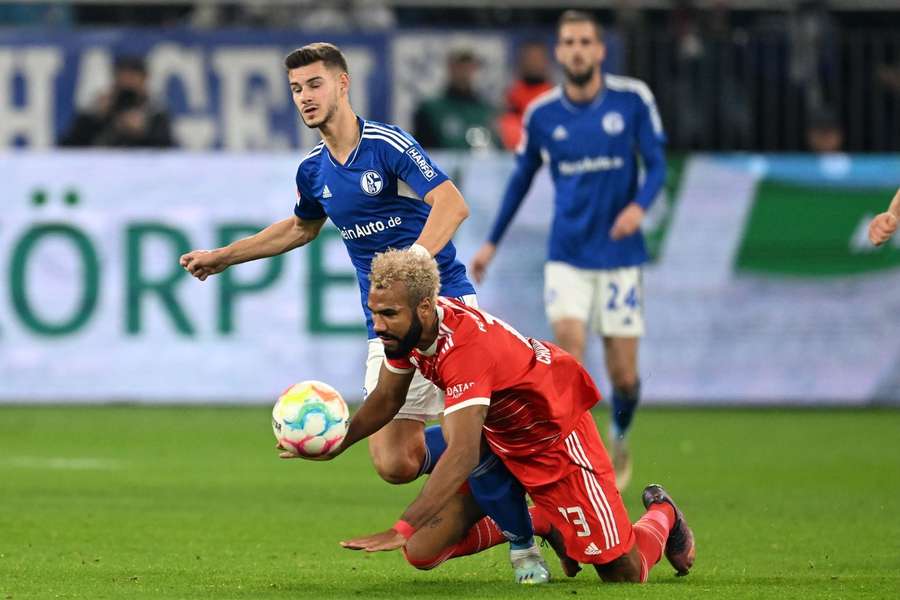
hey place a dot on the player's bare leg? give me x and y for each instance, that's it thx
(398, 450)
(621, 354)
(433, 544)
(571, 335)
(625, 569)
(461, 529)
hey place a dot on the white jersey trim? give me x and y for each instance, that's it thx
(397, 370)
(630, 84)
(400, 139)
(385, 139)
(317, 150)
(467, 404)
(539, 101)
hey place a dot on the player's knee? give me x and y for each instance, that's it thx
(624, 569)
(618, 574)
(418, 560)
(395, 469)
(573, 347)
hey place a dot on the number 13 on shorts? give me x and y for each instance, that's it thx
(575, 516)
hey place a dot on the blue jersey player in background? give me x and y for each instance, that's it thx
(382, 191)
(591, 131)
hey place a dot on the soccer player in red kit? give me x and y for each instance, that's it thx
(530, 401)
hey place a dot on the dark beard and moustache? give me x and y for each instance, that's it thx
(327, 118)
(579, 79)
(408, 341)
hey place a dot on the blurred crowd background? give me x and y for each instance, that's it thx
(783, 127)
(787, 75)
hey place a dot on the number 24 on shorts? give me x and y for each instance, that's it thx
(631, 298)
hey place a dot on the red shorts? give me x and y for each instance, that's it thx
(585, 504)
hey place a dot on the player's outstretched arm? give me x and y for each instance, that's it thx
(528, 161)
(884, 225)
(379, 407)
(277, 238)
(377, 410)
(448, 211)
(463, 431)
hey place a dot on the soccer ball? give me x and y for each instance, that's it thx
(310, 418)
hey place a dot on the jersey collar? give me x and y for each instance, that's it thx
(433, 347)
(362, 128)
(577, 107)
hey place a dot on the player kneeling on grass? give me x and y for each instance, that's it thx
(530, 401)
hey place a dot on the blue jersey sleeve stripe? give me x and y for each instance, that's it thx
(372, 136)
(391, 134)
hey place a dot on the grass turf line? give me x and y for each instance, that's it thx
(138, 502)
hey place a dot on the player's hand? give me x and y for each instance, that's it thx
(285, 453)
(482, 259)
(882, 228)
(203, 263)
(627, 222)
(379, 542)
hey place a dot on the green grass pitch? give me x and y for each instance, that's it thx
(135, 502)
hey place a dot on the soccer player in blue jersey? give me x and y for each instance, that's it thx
(382, 191)
(592, 130)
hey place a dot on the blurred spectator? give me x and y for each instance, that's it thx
(824, 133)
(533, 80)
(45, 14)
(125, 116)
(336, 16)
(458, 118)
(812, 36)
(887, 78)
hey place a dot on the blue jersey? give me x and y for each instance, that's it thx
(592, 149)
(375, 200)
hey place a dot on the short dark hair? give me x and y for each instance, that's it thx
(329, 54)
(579, 16)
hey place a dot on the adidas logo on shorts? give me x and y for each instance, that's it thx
(592, 549)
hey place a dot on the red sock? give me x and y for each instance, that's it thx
(486, 534)
(483, 535)
(651, 532)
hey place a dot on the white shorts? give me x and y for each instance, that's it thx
(610, 301)
(424, 401)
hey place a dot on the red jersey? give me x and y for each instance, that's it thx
(535, 391)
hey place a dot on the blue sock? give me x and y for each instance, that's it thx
(502, 498)
(624, 404)
(434, 448)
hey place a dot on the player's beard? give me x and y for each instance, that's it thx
(579, 79)
(408, 341)
(324, 120)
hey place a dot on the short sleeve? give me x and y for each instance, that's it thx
(308, 206)
(406, 159)
(468, 378)
(400, 366)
